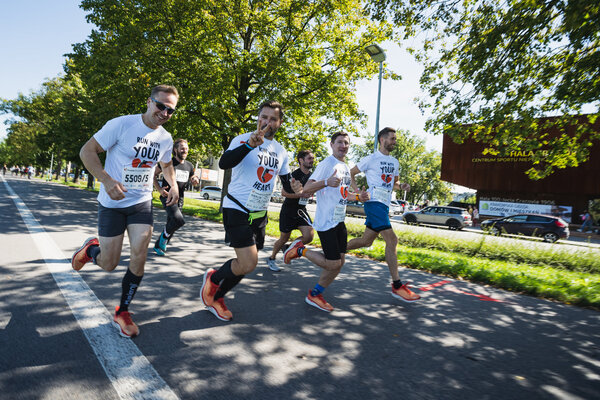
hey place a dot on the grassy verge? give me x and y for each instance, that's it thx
(572, 278)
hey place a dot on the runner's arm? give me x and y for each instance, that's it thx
(89, 156)
(233, 157)
(169, 175)
(161, 191)
(354, 171)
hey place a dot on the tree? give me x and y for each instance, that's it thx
(417, 166)
(51, 121)
(493, 68)
(228, 56)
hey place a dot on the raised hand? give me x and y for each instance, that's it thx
(296, 186)
(363, 195)
(258, 137)
(333, 180)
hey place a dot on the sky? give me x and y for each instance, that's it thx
(37, 33)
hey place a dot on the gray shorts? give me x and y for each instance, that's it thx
(113, 221)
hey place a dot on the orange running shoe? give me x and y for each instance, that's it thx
(80, 257)
(208, 289)
(405, 294)
(319, 302)
(220, 310)
(292, 251)
(124, 324)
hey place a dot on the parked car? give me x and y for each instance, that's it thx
(211, 192)
(276, 197)
(548, 227)
(355, 208)
(452, 217)
(397, 207)
(358, 208)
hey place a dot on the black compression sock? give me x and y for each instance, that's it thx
(93, 251)
(223, 273)
(129, 286)
(397, 284)
(227, 285)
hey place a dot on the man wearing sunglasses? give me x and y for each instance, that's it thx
(135, 145)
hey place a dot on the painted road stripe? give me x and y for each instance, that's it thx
(129, 371)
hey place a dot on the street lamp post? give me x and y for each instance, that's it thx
(378, 55)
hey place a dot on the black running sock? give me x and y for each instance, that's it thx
(93, 251)
(227, 285)
(129, 286)
(223, 273)
(397, 284)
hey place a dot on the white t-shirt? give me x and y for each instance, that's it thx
(253, 179)
(331, 201)
(132, 152)
(380, 171)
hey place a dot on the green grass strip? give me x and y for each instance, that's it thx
(557, 273)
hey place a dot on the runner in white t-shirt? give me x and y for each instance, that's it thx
(381, 170)
(255, 159)
(331, 181)
(135, 145)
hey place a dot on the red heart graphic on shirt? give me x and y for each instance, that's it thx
(264, 174)
(137, 163)
(344, 191)
(386, 178)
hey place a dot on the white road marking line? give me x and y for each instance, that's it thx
(129, 371)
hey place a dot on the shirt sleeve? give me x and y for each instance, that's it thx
(285, 168)
(109, 134)
(363, 163)
(321, 171)
(166, 157)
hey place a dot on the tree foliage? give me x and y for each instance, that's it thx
(493, 68)
(417, 166)
(228, 56)
(49, 121)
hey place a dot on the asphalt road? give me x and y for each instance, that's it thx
(460, 341)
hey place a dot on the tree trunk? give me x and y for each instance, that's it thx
(76, 175)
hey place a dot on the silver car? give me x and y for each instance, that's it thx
(452, 217)
(211, 192)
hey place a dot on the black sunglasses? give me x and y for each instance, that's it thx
(162, 107)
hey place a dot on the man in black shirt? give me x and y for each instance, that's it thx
(184, 173)
(293, 213)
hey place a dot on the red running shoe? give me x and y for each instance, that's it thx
(124, 324)
(80, 257)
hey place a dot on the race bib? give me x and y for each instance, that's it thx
(339, 214)
(302, 201)
(382, 195)
(258, 201)
(181, 175)
(137, 178)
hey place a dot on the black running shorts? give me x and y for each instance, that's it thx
(113, 221)
(239, 232)
(290, 220)
(334, 241)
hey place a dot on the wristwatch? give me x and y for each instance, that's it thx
(325, 182)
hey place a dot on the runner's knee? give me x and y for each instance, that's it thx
(333, 265)
(247, 264)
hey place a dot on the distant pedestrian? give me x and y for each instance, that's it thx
(587, 221)
(4, 169)
(475, 216)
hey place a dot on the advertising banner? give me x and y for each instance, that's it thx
(209, 175)
(503, 209)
